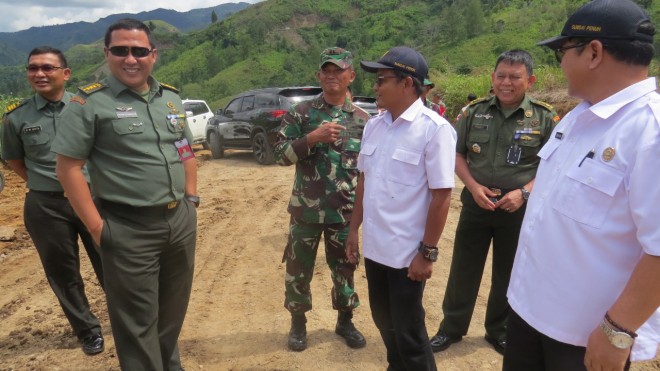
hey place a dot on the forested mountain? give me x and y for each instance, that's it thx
(277, 42)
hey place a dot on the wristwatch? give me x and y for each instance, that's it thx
(429, 252)
(618, 339)
(525, 193)
(193, 198)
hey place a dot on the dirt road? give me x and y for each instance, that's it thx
(236, 319)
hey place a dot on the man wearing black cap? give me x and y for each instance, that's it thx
(585, 286)
(403, 193)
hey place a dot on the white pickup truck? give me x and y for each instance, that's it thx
(198, 114)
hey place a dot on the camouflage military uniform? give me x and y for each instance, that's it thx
(321, 200)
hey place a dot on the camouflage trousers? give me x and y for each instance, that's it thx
(300, 257)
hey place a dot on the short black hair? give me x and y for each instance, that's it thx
(417, 84)
(517, 56)
(471, 97)
(45, 49)
(635, 52)
(129, 24)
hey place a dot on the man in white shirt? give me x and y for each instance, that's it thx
(402, 198)
(585, 286)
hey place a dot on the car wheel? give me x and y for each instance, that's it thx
(215, 142)
(262, 150)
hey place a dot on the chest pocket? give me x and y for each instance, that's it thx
(349, 153)
(404, 167)
(590, 193)
(176, 125)
(35, 139)
(127, 126)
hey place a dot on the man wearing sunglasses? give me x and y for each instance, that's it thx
(402, 201)
(132, 129)
(498, 139)
(585, 286)
(28, 132)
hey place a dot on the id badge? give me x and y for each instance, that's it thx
(185, 152)
(513, 155)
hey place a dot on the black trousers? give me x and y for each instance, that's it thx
(149, 259)
(528, 349)
(475, 231)
(54, 229)
(397, 311)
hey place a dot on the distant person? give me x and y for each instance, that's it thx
(322, 138)
(435, 107)
(132, 130)
(496, 158)
(28, 132)
(471, 97)
(585, 287)
(402, 202)
(436, 98)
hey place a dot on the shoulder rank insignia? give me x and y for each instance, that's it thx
(91, 88)
(12, 107)
(169, 87)
(542, 104)
(478, 100)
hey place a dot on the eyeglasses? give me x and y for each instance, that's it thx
(380, 80)
(136, 51)
(560, 52)
(46, 68)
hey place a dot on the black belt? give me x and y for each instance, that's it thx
(57, 194)
(142, 210)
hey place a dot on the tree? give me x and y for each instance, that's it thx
(474, 15)
(214, 17)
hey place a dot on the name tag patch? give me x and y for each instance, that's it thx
(183, 147)
(32, 130)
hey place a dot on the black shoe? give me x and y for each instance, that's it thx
(499, 345)
(442, 341)
(347, 330)
(93, 344)
(298, 333)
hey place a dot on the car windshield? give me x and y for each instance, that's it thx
(293, 96)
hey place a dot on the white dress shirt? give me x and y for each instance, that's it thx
(402, 161)
(592, 214)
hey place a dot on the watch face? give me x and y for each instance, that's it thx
(432, 255)
(621, 340)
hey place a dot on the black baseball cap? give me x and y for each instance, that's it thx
(605, 19)
(400, 58)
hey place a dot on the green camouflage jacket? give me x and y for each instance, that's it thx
(326, 174)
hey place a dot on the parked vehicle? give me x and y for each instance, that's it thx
(252, 119)
(366, 103)
(198, 114)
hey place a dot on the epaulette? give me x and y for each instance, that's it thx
(542, 104)
(12, 107)
(92, 88)
(170, 87)
(478, 100)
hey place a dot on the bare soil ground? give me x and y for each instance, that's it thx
(236, 319)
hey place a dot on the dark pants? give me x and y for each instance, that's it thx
(54, 229)
(148, 259)
(528, 349)
(476, 228)
(300, 257)
(397, 310)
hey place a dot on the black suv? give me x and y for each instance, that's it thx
(252, 120)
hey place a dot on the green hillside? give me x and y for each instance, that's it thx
(277, 43)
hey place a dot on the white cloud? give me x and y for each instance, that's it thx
(35, 13)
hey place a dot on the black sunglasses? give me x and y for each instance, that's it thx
(135, 51)
(560, 52)
(46, 68)
(380, 79)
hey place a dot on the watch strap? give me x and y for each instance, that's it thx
(618, 327)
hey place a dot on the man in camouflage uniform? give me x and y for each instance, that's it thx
(322, 138)
(496, 158)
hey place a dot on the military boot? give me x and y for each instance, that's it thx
(298, 333)
(347, 330)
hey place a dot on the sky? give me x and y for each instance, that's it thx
(23, 14)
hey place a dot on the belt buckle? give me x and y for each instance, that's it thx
(172, 205)
(497, 191)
